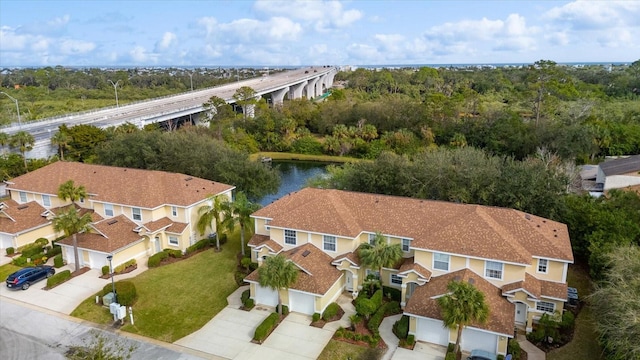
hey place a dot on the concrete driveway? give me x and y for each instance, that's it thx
(421, 351)
(230, 332)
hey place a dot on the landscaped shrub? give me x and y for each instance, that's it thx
(377, 298)
(374, 323)
(248, 304)
(105, 270)
(28, 251)
(239, 276)
(411, 339)
(58, 278)
(513, 348)
(155, 259)
(58, 262)
(365, 307)
(264, 329)
(245, 295)
(401, 327)
(223, 239)
(173, 253)
(315, 317)
(125, 290)
(197, 246)
(450, 356)
(19, 261)
(331, 311)
(285, 310)
(392, 293)
(450, 347)
(568, 320)
(500, 357)
(10, 251)
(41, 241)
(392, 308)
(55, 250)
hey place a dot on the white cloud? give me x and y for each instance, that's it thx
(75, 47)
(282, 28)
(140, 55)
(591, 15)
(167, 40)
(322, 15)
(209, 23)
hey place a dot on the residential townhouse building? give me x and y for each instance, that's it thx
(136, 213)
(518, 260)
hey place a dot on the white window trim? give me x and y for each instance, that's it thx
(553, 306)
(501, 270)
(44, 202)
(110, 206)
(433, 265)
(391, 280)
(371, 238)
(133, 214)
(174, 211)
(402, 240)
(295, 237)
(324, 242)
(266, 224)
(177, 244)
(546, 266)
(21, 194)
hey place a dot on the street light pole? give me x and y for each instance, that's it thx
(191, 79)
(17, 107)
(115, 88)
(113, 285)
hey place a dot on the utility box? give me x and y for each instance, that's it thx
(113, 308)
(121, 312)
(108, 299)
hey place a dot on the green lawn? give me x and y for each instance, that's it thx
(6, 270)
(585, 342)
(340, 350)
(177, 299)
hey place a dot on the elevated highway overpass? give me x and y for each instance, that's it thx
(292, 84)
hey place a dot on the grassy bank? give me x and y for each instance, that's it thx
(303, 157)
(339, 350)
(177, 299)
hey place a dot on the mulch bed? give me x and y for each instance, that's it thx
(272, 330)
(321, 323)
(361, 328)
(128, 269)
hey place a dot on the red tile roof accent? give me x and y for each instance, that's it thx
(258, 241)
(501, 311)
(16, 218)
(409, 265)
(472, 230)
(109, 236)
(134, 187)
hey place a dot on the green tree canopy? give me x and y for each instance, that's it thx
(277, 273)
(23, 141)
(213, 214)
(379, 254)
(70, 222)
(240, 212)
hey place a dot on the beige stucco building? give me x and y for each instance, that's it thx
(136, 213)
(518, 260)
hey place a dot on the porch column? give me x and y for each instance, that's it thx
(404, 292)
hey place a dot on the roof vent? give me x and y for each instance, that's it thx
(555, 235)
(538, 225)
(306, 253)
(22, 207)
(188, 179)
(457, 278)
(527, 216)
(111, 222)
(472, 281)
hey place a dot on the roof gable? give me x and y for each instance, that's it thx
(16, 218)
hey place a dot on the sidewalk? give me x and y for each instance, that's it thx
(533, 352)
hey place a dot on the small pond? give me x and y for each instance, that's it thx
(294, 176)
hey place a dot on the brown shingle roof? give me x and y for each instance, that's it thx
(318, 275)
(264, 240)
(15, 218)
(409, 265)
(351, 256)
(95, 217)
(554, 290)
(501, 311)
(108, 235)
(472, 230)
(133, 187)
(537, 288)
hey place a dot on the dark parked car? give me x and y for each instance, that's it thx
(481, 355)
(23, 278)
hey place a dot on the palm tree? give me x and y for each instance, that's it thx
(23, 141)
(69, 191)
(240, 212)
(379, 254)
(277, 272)
(210, 213)
(71, 223)
(462, 305)
(4, 139)
(61, 139)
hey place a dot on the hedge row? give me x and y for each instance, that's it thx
(58, 278)
(197, 246)
(374, 323)
(120, 268)
(264, 329)
(173, 253)
(401, 327)
(125, 290)
(392, 293)
(155, 259)
(58, 262)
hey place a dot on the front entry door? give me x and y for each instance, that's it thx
(158, 245)
(521, 313)
(349, 280)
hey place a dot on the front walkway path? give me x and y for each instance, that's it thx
(533, 352)
(344, 300)
(386, 333)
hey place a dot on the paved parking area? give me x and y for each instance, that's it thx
(421, 351)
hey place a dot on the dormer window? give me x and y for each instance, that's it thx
(289, 237)
(136, 214)
(543, 265)
(23, 196)
(46, 200)
(266, 224)
(372, 239)
(493, 270)
(108, 209)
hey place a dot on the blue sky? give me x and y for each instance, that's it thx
(293, 33)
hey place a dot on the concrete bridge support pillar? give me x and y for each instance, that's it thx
(295, 91)
(250, 109)
(311, 88)
(278, 96)
(321, 85)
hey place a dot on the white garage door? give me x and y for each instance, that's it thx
(301, 302)
(5, 241)
(475, 339)
(98, 260)
(266, 296)
(432, 331)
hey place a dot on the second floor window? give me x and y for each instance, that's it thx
(137, 214)
(372, 239)
(396, 280)
(174, 211)
(329, 243)
(493, 270)
(289, 237)
(108, 209)
(545, 306)
(441, 261)
(23, 197)
(46, 200)
(542, 265)
(405, 245)
(173, 240)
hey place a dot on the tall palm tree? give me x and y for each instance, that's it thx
(379, 254)
(61, 139)
(277, 273)
(23, 141)
(213, 213)
(69, 191)
(71, 223)
(463, 305)
(240, 212)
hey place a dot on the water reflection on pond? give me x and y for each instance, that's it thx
(294, 176)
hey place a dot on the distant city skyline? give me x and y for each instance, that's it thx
(296, 33)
